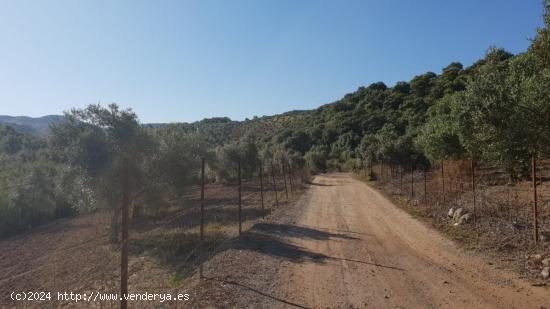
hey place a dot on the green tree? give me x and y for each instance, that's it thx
(95, 141)
(439, 137)
(244, 151)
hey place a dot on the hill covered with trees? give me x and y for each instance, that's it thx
(37, 126)
(496, 110)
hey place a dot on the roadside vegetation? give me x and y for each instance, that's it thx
(497, 110)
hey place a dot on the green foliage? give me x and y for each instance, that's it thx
(31, 190)
(296, 160)
(229, 156)
(541, 44)
(352, 165)
(94, 142)
(496, 110)
(439, 137)
(316, 160)
(298, 141)
(29, 202)
(177, 159)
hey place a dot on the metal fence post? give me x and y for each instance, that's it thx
(124, 247)
(474, 189)
(425, 186)
(283, 170)
(292, 189)
(202, 220)
(442, 183)
(535, 206)
(400, 180)
(262, 188)
(274, 183)
(240, 202)
(412, 181)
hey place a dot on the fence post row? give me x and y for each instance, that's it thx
(535, 206)
(425, 186)
(458, 185)
(400, 180)
(412, 181)
(202, 220)
(274, 183)
(292, 189)
(283, 170)
(262, 188)
(474, 189)
(240, 189)
(442, 183)
(125, 215)
(124, 247)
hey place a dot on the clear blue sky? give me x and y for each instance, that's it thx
(186, 60)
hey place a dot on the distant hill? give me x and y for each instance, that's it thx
(221, 129)
(31, 125)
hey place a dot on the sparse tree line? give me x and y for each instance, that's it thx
(78, 166)
(496, 110)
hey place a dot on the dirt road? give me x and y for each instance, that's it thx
(354, 249)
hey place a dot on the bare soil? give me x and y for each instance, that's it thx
(75, 255)
(503, 225)
(344, 245)
(341, 244)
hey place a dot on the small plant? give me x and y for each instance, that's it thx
(213, 228)
(175, 279)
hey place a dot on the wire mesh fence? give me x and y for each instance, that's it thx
(165, 246)
(491, 195)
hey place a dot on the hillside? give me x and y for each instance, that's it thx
(494, 111)
(31, 125)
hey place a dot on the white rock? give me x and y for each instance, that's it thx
(546, 262)
(451, 212)
(536, 257)
(545, 273)
(457, 214)
(464, 219)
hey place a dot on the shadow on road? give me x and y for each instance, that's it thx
(288, 230)
(319, 184)
(334, 230)
(259, 292)
(268, 244)
(269, 238)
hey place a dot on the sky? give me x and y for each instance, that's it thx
(173, 61)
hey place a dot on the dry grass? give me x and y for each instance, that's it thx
(504, 219)
(75, 254)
